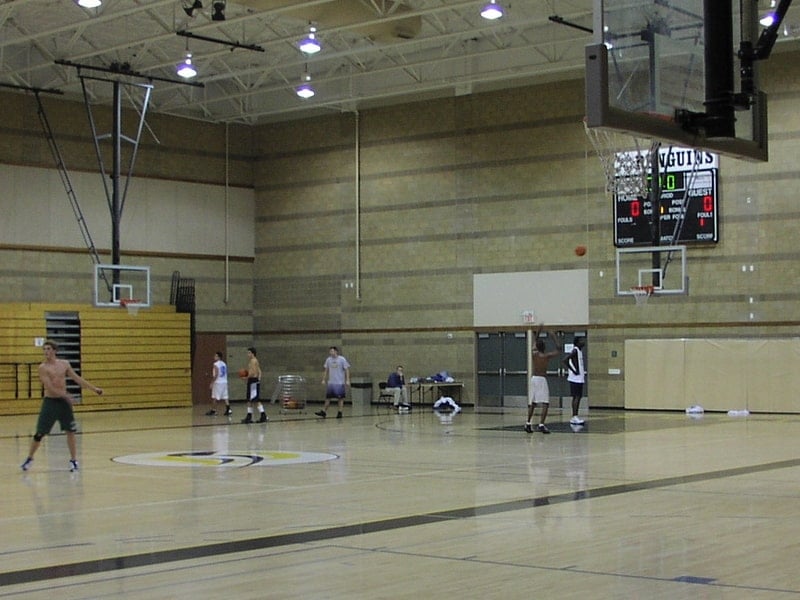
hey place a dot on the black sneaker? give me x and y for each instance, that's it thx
(228, 412)
(263, 418)
(248, 418)
(542, 428)
(321, 413)
(528, 428)
(27, 464)
(211, 413)
(339, 415)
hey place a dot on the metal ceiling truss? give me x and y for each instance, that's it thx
(374, 51)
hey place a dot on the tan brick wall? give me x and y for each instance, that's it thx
(497, 182)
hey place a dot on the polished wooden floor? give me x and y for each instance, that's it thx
(634, 505)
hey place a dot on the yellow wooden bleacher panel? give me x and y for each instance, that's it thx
(139, 361)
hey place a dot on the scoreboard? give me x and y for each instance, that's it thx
(689, 181)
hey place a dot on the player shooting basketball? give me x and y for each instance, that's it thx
(539, 390)
(57, 403)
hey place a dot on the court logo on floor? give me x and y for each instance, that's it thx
(210, 458)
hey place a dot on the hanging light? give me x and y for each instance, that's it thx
(304, 90)
(492, 11)
(607, 38)
(186, 69)
(310, 44)
(88, 3)
(769, 18)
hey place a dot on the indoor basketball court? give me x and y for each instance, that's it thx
(682, 486)
(173, 504)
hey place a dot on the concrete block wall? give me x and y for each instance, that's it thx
(375, 252)
(42, 267)
(496, 182)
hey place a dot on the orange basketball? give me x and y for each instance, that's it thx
(243, 373)
(580, 250)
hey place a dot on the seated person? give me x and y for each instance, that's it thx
(397, 385)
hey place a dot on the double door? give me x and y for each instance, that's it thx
(503, 367)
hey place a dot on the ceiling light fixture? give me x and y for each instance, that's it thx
(304, 90)
(89, 3)
(492, 11)
(186, 69)
(310, 44)
(607, 38)
(769, 18)
(189, 7)
(218, 7)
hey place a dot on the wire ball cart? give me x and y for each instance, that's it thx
(291, 392)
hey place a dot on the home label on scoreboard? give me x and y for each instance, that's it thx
(688, 203)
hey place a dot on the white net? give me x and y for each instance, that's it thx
(641, 293)
(625, 159)
(131, 304)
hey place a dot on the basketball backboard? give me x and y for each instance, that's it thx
(662, 267)
(115, 285)
(661, 70)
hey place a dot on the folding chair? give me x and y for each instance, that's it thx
(385, 395)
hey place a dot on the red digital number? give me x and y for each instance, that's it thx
(636, 208)
(708, 203)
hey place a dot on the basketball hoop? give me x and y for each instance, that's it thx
(132, 304)
(625, 161)
(641, 293)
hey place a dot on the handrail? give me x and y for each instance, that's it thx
(16, 366)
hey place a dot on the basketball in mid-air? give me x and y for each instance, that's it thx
(580, 250)
(243, 373)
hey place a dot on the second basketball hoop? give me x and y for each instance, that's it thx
(642, 293)
(132, 304)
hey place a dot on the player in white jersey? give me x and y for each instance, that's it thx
(219, 385)
(576, 375)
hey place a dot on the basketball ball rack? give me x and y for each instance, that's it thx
(291, 392)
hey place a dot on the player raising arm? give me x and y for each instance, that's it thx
(539, 390)
(57, 403)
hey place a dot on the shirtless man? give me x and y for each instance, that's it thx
(57, 403)
(540, 392)
(254, 388)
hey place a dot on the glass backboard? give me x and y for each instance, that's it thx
(664, 71)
